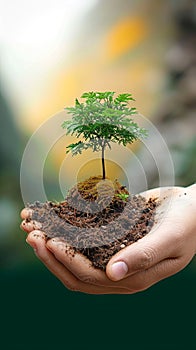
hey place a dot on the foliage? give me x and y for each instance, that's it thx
(100, 120)
(122, 196)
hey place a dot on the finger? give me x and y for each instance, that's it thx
(37, 240)
(145, 279)
(79, 265)
(29, 226)
(26, 213)
(150, 250)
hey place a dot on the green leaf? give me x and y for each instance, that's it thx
(77, 103)
(124, 98)
(89, 95)
(122, 196)
(65, 124)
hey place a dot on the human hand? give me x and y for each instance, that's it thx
(167, 249)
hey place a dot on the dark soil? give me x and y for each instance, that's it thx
(98, 218)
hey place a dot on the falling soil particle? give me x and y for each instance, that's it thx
(98, 218)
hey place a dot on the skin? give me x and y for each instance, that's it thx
(167, 249)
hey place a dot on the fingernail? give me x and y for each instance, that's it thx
(119, 270)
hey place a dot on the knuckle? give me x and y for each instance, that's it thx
(43, 257)
(145, 258)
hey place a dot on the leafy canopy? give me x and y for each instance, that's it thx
(102, 119)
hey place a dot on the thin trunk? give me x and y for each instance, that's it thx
(103, 160)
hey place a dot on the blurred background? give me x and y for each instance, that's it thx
(51, 52)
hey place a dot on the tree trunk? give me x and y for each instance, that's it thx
(103, 161)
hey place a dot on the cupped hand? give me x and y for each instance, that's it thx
(167, 249)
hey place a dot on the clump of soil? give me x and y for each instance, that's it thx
(98, 218)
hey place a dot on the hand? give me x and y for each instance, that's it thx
(167, 249)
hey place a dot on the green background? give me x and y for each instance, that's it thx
(37, 310)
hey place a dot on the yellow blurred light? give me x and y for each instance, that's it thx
(125, 35)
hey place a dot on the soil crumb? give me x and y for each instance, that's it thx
(97, 219)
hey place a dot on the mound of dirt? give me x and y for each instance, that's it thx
(97, 219)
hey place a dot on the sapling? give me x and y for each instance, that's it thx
(123, 196)
(98, 221)
(100, 120)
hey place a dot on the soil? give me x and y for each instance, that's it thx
(98, 218)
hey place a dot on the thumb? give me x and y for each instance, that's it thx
(141, 255)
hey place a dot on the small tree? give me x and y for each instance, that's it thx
(100, 120)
